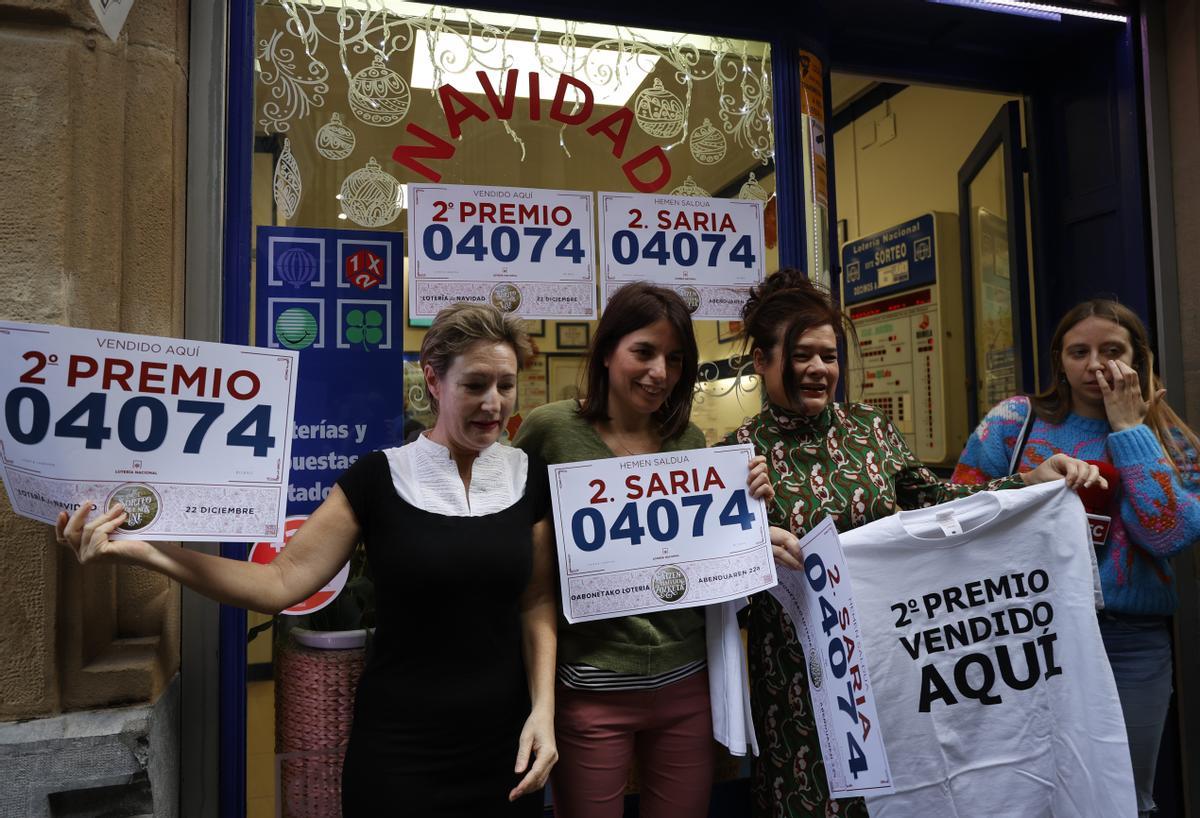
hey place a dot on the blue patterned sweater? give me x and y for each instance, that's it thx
(1159, 513)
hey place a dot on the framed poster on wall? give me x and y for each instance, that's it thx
(532, 385)
(564, 376)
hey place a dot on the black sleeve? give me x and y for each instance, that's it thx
(537, 486)
(363, 483)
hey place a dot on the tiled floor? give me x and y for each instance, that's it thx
(260, 750)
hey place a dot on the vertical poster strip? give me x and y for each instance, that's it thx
(336, 297)
(812, 105)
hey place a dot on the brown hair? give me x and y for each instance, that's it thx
(458, 326)
(632, 307)
(1054, 403)
(784, 307)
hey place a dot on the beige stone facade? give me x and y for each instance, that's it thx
(93, 139)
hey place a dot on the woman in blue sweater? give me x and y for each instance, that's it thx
(1105, 405)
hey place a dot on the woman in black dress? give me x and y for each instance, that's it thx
(455, 711)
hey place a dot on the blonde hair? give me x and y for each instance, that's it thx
(459, 326)
(1054, 403)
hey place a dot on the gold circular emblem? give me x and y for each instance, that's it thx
(669, 583)
(141, 503)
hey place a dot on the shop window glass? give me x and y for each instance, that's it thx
(486, 98)
(339, 86)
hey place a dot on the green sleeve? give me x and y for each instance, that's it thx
(918, 487)
(531, 436)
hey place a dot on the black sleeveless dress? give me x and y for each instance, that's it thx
(443, 698)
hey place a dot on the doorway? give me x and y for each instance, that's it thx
(917, 257)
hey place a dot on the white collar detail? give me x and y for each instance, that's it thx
(426, 476)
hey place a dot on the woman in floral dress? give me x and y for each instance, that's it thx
(843, 460)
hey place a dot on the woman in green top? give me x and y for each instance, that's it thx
(844, 460)
(634, 684)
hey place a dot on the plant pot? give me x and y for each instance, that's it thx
(316, 675)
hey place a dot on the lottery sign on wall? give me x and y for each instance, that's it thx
(710, 251)
(657, 532)
(526, 251)
(819, 602)
(334, 296)
(899, 258)
(192, 438)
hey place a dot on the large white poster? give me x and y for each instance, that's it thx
(529, 252)
(658, 531)
(710, 251)
(193, 438)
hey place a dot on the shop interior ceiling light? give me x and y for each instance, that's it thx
(447, 44)
(612, 75)
(1044, 11)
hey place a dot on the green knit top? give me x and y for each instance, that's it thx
(647, 644)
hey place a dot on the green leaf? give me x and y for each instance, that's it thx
(373, 335)
(354, 318)
(354, 334)
(374, 318)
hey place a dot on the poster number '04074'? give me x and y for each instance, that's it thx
(192, 438)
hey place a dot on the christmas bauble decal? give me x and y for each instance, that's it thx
(286, 185)
(371, 196)
(335, 140)
(707, 144)
(753, 190)
(659, 112)
(689, 188)
(378, 95)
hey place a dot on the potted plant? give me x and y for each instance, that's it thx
(318, 660)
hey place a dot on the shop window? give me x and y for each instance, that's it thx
(348, 113)
(354, 102)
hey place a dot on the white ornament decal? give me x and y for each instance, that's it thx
(378, 95)
(287, 95)
(690, 188)
(335, 140)
(287, 185)
(707, 144)
(753, 190)
(371, 196)
(659, 112)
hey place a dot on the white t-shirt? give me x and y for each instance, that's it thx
(956, 602)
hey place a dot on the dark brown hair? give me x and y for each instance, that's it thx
(458, 326)
(1053, 403)
(784, 307)
(632, 307)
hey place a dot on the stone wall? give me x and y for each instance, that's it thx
(92, 192)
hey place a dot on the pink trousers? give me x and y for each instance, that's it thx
(598, 734)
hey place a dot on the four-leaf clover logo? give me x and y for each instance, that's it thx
(364, 328)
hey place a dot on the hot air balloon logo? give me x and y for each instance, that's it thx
(296, 266)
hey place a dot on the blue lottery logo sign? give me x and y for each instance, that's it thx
(364, 324)
(892, 260)
(334, 296)
(296, 327)
(297, 265)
